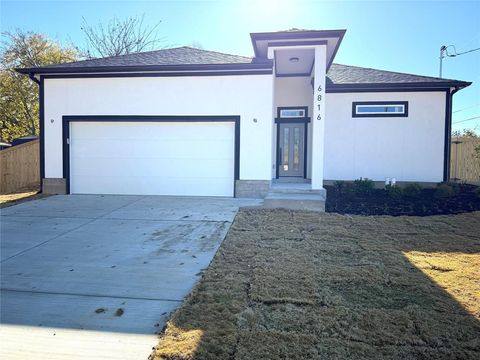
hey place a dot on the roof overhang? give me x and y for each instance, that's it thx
(262, 66)
(387, 87)
(304, 39)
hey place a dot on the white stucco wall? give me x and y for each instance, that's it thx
(249, 96)
(407, 148)
(293, 91)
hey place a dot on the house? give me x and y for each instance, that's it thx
(186, 121)
(4, 145)
(23, 139)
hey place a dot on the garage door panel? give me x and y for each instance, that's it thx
(152, 158)
(153, 167)
(150, 186)
(143, 130)
(155, 149)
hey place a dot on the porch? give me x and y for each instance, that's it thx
(300, 60)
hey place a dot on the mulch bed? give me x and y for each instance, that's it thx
(379, 202)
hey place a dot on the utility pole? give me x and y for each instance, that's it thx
(444, 52)
(442, 55)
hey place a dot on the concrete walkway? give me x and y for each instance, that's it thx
(88, 276)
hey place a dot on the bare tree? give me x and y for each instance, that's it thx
(120, 37)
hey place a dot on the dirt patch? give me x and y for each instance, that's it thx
(20, 196)
(301, 285)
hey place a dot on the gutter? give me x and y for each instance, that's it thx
(267, 65)
(418, 86)
(32, 77)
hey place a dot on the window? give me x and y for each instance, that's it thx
(380, 109)
(292, 113)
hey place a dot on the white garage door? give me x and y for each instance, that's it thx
(152, 158)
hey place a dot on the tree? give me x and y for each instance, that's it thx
(19, 94)
(465, 133)
(119, 37)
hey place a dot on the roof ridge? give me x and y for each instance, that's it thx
(217, 52)
(117, 56)
(149, 52)
(396, 72)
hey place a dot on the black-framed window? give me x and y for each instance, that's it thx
(380, 109)
(292, 112)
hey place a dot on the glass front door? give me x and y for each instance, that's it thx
(291, 149)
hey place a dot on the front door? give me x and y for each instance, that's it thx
(291, 149)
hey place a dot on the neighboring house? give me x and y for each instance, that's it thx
(186, 121)
(24, 139)
(4, 145)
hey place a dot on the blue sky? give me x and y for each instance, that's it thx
(402, 36)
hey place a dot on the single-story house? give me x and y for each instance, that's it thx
(187, 121)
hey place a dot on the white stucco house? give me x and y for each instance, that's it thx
(186, 121)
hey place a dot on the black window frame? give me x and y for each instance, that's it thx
(367, 103)
(280, 108)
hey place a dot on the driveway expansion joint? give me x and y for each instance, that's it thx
(89, 295)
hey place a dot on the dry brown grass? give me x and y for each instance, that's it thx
(300, 285)
(22, 195)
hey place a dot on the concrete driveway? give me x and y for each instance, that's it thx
(88, 276)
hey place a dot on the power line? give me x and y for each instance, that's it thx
(468, 107)
(457, 53)
(461, 121)
(469, 51)
(444, 52)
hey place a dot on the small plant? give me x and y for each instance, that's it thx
(363, 186)
(444, 191)
(339, 186)
(412, 190)
(393, 191)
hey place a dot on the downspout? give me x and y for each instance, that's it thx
(448, 133)
(40, 116)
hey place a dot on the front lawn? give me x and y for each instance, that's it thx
(303, 285)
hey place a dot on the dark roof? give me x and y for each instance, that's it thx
(347, 75)
(176, 56)
(187, 58)
(154, 60)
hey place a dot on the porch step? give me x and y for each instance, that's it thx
(296, 199)
(286, 180)
(295, 188)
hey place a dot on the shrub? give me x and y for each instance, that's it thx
(393, 191)
(363, 186)
(339, 186)
(444, 191)
(412, 190)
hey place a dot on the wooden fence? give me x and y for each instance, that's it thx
(19, 167)
(464, 165)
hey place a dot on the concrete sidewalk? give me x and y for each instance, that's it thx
(89, 276)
